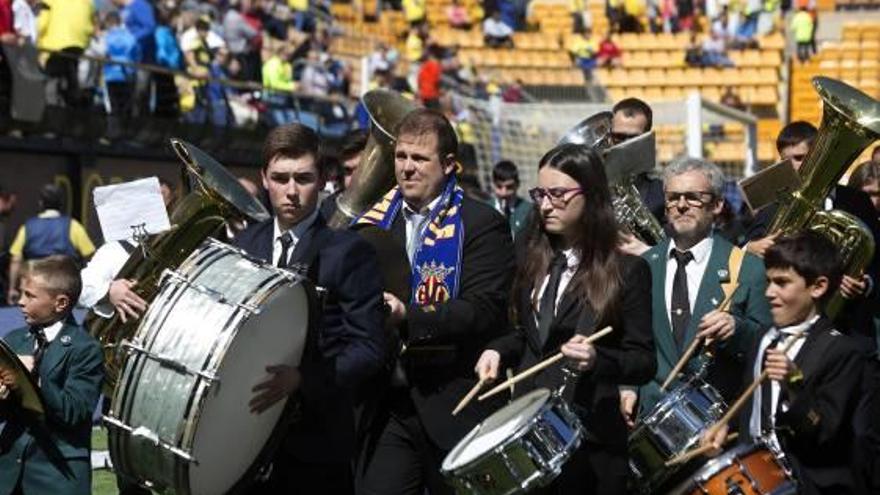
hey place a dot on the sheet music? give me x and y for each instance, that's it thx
(130, 207)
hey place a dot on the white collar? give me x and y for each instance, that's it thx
(409, 210)
(572, 258)
(700, 250)
(53, 330)
(297, 230)
(797, 328)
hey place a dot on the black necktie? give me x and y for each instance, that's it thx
(286, 241)
(766, 390)
(547, 307)
(680, 311)
(40, 338)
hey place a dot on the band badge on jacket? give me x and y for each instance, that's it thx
(433, 287)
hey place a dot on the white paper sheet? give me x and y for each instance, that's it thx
(132, 206)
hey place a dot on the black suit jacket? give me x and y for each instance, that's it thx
(464, 325)
(816, 430)
(651, 191)
(624, 357)
(347, 346)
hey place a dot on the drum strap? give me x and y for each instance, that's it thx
(734, 263)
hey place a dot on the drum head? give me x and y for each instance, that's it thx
(229, 437)
(496, 429)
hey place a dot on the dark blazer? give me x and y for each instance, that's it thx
(53, 456)
(651, 191)
(749, 309)
(816, 431)
(348, 345)
(624, 357)
(438, 380)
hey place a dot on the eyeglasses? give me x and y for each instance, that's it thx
(557, 195)
(697, 199)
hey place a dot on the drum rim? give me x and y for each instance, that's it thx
(721, 462)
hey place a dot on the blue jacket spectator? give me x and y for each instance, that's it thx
(123, 47)
(138, 17)
(167, 51)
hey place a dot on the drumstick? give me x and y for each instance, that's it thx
(740, 402)
(470, 395)
(540, 366)
(724, 306)
(690, 454)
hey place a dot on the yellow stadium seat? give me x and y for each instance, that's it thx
(656, 77)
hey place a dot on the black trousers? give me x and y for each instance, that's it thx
(592, 469)
(296, 477)
(400, 459)
(65, 68)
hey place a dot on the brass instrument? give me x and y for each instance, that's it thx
(622, 163)
(850, 123)
(375, 173)
(215, 197)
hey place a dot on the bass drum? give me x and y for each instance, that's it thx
(180, 420)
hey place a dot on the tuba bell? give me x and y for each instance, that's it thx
(623, 162)
(850, 123)
(215, 197)
(375, 173)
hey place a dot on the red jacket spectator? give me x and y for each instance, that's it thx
(429, 80)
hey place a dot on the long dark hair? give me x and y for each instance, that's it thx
(598, 278)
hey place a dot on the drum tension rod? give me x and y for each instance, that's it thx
(212, 293)
(151, 436)
(169, 362)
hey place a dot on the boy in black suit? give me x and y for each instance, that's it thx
(806, 406)
(53, 455)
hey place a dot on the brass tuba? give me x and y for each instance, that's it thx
(622, 163)
(375, 173)
(850, 123)
(215, 197)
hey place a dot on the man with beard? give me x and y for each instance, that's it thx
(693, 271)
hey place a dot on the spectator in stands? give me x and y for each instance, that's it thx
(242, 39)
(802, 28)
(140, 21)
(430, 75)
(415, 51)
(731, 99)
(496, 33)
(580, 15)
(46, 234)
(582, 48)
(693, 52)
(119, 80)
(315, 79)
(715, 51)
(513, 93)
(64, 29)
(609, 53)
(414, 11)
(685, 14)
(505, 183)
(24, 20)
(457, 16)
(633, 10)
(867, 178)
(382, 60)
(303, 20)
(168, 55)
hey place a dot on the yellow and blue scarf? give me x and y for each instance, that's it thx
(437, 260)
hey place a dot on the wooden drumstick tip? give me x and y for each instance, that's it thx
(687, 456)
(470, 395)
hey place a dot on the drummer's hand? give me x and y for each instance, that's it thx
(126, 301)
(853, 288)
(488, 365)
(716, 325)
(760, 246)
(4, 391)
(396, 308)
(716, 441)
(8, 379)
(628, 400)
(778, 366)
(582, 354)
(284, 381)
(630, 244)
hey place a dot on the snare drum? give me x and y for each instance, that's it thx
(180, 420)
(673, 427)
(521, 446)
(752, 469)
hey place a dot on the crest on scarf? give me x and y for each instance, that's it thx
(433, 287)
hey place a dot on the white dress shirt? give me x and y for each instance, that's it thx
(572, 261)
(52, 331)
(416, 223)
(99, 274)
(296, 232)
(694, 270)
(755, 426)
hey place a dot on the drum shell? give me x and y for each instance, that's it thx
(532, 456)
(179, 408)
(753, 468)
(674, 426)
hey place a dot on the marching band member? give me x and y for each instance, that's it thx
(689, 269)
(632, 117)
(461, 255)
(346, 347)
(807, 404)
(51, 455)
(573, 282)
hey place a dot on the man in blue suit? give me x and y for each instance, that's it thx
(692, 272)
(345, 346)
(50, 455)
